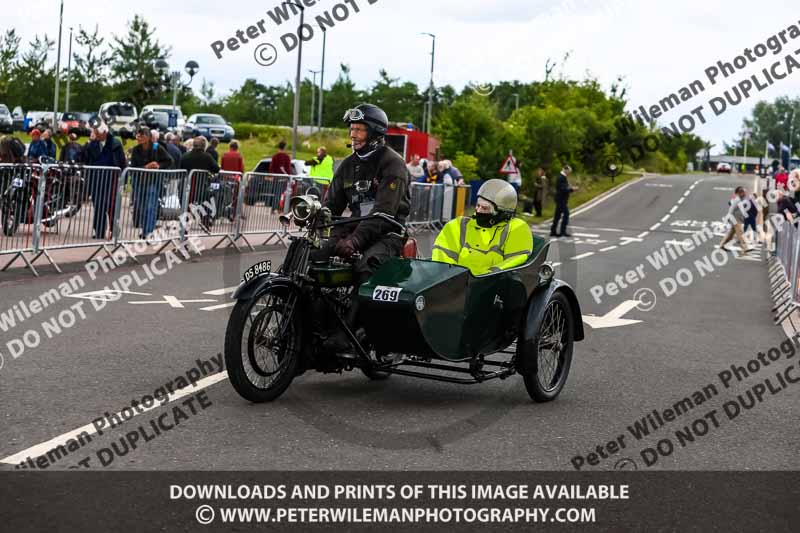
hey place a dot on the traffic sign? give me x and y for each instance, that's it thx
(510, 166)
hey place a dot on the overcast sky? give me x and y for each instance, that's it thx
(659, 46)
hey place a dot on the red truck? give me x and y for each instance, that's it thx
(407, 141)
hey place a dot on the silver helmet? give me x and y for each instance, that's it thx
(501, 195)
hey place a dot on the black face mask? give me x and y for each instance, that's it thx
(485, 220)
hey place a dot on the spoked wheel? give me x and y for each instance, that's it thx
(263, 344)
(553, 351)
(9, 216)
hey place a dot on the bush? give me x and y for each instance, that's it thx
(467, 164)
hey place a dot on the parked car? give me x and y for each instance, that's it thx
(208, 126)
(19, 119)
(73, 122)
(167, 109)
(155, 120)
(6, 121)
(38, 119)
(724, 168)
(120, 117)
(270, 189)
(299, 167)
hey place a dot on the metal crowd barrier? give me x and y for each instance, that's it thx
(109, 210)
(787, 249)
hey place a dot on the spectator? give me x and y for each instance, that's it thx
(415, 168)
(12, 150)
(425, 172)
(448, 173)
(750, 219)
(212, 149)
(281, 163)
(103, 150)
(322, 169)
(48, 141)
(173, 150)
(72, 151)
(176, 140)
(198, 159)
(737, 212)
(515, 179)
(37, 148)
(786, 207)
(147, 188)
(563, 190)
(532, 192)
(232, 161)
(433, 172)
(782, 179)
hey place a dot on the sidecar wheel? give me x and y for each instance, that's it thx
(552, 351)
(261, 363)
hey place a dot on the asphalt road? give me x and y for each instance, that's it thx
(649, 360)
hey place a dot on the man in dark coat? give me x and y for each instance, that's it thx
(563, 190)
(103, 150)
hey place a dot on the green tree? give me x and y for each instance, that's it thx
(471, 126)
(89, 88)
(133, 64)
(9, 52)
(33, 81)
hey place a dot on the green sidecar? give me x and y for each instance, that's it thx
(414, 317)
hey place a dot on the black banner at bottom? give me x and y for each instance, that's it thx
(399, 501)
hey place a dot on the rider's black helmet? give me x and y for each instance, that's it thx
(370, 115)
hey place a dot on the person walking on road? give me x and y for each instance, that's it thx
(736, 216)
(563, 190)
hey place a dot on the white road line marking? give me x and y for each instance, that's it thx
(664, 218)
(44, 447)
(587, 235)
(727, 189)
(216, 307)
(610, 229)
(628, 240)
(690, 232)
(655, 226)
(674, 208)
(643, 235)
(556, 264)
(220, 292)
(582, 256)
(604, 198)
(173, 302)
(658, 185)
(687, 193)
(680, 200)
(608, 248)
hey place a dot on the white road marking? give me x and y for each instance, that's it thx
(582, 256)
(587, 235)
(173, 302)
(220, 292)
(682, 244)
(216, 307)
(613, 318)
(556, 264)
(655, 226)
(604, 198)
(690, 232)
(674, 208)
(643, 235)
(680, 200)
(658, 185)
(608, 248)
(727, 189)
(628, 240)
(105, 295)
(687, 193)
(664, 218)
(44, 447)
(610, 229)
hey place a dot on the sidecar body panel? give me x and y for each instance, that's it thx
(439, 310)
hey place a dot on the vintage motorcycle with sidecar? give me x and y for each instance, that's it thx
(416, 318)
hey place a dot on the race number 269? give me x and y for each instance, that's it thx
(386, 294)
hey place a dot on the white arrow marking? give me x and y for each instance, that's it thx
(105, 295)
(220, 292)
(613, 318)
(216, 307)
(173, 302)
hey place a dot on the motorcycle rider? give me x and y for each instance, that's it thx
(491, 240)
(373, 179)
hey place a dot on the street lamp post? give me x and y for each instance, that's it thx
(191, 69)
(791, 135)
(746, 134)
(430, 89)
(69, 71)
(322, 78)
(296, 114)
(313, 96)
(516, 96)
(58, 68)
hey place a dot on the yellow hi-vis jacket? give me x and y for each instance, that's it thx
(322, 172)
(484, 250)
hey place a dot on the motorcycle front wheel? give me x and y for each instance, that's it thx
(263, 343)
(9, 215)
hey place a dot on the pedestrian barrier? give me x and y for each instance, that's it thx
(110, 210)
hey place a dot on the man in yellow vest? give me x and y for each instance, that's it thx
(492, 240)
(321, 167)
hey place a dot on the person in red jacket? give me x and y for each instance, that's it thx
(281, 163)
(232, 161)
(782, 179)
